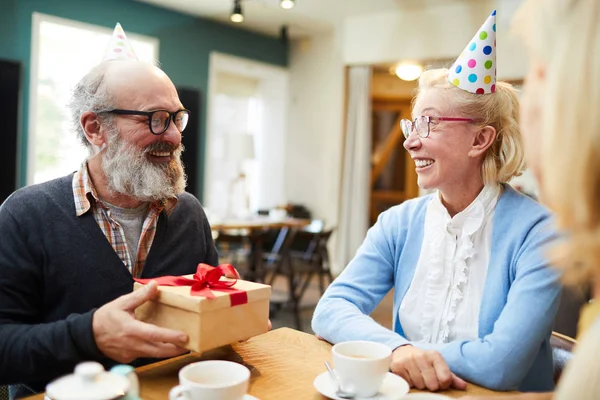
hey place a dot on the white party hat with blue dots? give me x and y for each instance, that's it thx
(475, 68)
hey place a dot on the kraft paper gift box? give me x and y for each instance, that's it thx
(216, 316)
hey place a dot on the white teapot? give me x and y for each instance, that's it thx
(91, 382)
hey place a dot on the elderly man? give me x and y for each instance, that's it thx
(71, 247)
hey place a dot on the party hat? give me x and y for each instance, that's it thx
(475, 69)
(119, 47)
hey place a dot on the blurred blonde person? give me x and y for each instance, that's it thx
(561, 126)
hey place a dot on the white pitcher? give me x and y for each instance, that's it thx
(91, 382)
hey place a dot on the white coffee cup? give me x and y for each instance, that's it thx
(211, 380)
(361, 366)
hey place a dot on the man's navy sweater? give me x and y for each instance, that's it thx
(57, 268)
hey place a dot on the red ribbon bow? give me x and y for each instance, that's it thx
(206, 278)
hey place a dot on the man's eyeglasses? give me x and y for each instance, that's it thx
(422, 124)
(159, 120)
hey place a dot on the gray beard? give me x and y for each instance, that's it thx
(129, 172)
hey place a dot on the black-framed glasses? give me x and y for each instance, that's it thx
(422, 124)
(159, 120)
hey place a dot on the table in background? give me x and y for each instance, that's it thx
(283, 363)
(254, 228)
(259, 223)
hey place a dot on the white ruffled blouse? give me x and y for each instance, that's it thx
(442, 303)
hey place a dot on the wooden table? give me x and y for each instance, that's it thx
(259, 223)
(283, 362)
(254, 229)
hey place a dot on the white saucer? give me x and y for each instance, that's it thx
(392, 388)
(250, 397)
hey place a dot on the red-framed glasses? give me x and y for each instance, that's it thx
(422, 124)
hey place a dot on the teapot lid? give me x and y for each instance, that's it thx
(89, 382)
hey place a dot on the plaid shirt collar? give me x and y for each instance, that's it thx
(85, 194)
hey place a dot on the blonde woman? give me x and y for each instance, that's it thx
(474, 298)
(561, 125)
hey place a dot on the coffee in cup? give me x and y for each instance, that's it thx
(361, 366)
(211, 380)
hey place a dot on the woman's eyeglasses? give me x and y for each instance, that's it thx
(159, 120)
(422, 124)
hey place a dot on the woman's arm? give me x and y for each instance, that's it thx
(343, 312)
(501, 359)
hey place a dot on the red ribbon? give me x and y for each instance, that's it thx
(206, 278)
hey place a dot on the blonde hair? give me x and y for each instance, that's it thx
(565, 36)
(504, 159)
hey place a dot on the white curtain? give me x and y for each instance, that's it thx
(354, 211)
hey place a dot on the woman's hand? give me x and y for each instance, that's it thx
(424, 369)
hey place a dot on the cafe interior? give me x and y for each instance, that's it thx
(293, 147)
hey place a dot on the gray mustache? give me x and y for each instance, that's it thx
(162, 146)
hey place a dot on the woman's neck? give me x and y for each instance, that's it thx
(458, 197)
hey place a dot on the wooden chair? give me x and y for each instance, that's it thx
(232, 247)
(246, 250)
(302, 255)
(313, 260)
(562, 351)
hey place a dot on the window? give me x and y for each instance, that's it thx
(245, 156)
(63, 51)
(236, 119)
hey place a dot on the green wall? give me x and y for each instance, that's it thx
(185, 45)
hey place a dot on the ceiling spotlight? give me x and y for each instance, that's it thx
(287, 4)
(409, 72)
(236, 15)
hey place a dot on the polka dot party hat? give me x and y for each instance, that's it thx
(475, 69)
(119, 47)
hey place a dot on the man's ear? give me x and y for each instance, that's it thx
(91, 126)
(482, 141)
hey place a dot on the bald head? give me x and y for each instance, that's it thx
(134, 84)
(127, 84)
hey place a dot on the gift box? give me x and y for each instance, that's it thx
(214, 311)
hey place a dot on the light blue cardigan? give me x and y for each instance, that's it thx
(517, 310)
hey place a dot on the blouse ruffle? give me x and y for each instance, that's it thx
(445, 287)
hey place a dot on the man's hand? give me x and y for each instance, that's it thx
(424, 369)
(123, 338)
